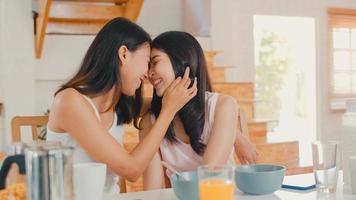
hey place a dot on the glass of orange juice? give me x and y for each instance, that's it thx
(216, 182)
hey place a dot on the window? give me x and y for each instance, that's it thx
(342, 27)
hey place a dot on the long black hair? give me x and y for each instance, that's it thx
(99, 71)
(184, 51)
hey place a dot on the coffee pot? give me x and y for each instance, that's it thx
(48, 169)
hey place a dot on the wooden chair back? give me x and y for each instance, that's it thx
(34, 121)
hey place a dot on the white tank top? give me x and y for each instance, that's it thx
(80, 156)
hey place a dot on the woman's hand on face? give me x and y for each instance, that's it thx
(179, 93)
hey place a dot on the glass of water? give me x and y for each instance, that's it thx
(325, 165)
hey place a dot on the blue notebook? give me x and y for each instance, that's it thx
(299, 182)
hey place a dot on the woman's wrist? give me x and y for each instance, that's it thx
(239, 136)
(166, 114)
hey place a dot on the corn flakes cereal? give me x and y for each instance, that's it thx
(14, 192)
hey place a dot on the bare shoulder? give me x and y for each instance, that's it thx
(69, 102)
(65, 104)
(226, 103)
(68, 98)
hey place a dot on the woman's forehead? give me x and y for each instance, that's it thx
(156, 52)
(144, 49)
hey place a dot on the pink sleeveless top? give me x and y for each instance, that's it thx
(180, 155)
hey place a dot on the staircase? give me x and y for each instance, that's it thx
(271, 150)
(79, 17)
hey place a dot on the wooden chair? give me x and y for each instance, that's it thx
(16, 123)
(34, 121)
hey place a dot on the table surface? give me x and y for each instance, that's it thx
(282, 194)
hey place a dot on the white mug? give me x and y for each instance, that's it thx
(89, 180)
(352, 162)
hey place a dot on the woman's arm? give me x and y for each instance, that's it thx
(223, 135)
(72, 114)
(245, 151)
(153, 176)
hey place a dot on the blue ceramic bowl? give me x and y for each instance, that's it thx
(259, 179)
(186, 189)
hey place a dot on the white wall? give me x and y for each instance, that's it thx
(16, 64)
(158, 16)
(197, 17)
(60, 60)
(1, 75)
(232, 31)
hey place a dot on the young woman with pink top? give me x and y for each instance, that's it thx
(204, 130)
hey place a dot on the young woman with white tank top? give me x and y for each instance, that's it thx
(89, 109)
(79, 154)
